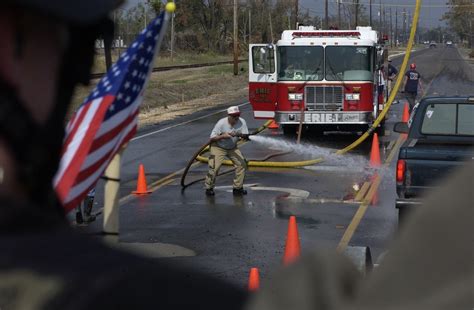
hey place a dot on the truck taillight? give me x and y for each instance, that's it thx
(401, 166)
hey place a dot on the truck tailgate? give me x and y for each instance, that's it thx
(426, 163)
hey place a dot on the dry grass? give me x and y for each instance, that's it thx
(174, 93)
(164, 61)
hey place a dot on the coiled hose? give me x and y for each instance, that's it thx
(204, 148)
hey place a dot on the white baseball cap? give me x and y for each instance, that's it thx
(233, 110)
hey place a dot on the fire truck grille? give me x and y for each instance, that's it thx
(324, 97)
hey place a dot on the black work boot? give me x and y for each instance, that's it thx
(239, 191)
(210, 192)
(79, 218)
(89, 203)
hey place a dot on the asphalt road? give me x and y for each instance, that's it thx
(225, 236)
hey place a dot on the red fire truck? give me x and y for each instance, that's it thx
(327, 77)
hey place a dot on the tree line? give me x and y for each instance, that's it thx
(206, 26)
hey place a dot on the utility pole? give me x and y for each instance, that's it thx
(404, 25)
(339, 14)
(384, 21)
(396, 27)
(391, 29)
(356, 13)
(250, 25)
(271, 25)
(172, 36)
(408, 26)
(236, 42)
(380, 16)
(370, 13)
(326, 15)
(296, 14)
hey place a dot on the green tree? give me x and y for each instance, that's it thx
(460, 17)
(155, 5)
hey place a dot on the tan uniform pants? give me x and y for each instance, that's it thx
(216, 158)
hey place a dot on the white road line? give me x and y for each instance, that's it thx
(183, 123)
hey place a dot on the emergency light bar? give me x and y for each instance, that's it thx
(327, 34)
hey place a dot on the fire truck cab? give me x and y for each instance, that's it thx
(327, 78)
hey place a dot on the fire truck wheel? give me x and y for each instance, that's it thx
(289, 130)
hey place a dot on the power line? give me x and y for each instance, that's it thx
(421, 18)
(446, 6)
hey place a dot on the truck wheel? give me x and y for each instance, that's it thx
(289, 130)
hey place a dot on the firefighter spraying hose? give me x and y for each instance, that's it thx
(205, 147)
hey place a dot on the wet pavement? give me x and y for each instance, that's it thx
(225, 235)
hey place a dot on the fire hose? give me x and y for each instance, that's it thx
(294, 164)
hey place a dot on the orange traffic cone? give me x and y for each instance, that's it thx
(406, 113)
(292, 246)
(375, 152)
(141, 182)
(375, 162)
(254, 280)
(273, 125)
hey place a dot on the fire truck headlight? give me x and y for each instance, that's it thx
(352, 96)
(295, 96)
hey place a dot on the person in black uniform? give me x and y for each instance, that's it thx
(392, 71)
(46, 49)
(412, 83)
(391, 75)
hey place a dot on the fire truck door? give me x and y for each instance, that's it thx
(262, 80)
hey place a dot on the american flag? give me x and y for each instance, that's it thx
(107, 119)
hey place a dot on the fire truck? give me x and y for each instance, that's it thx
(326, 78)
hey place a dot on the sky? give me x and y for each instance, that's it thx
(431, 10)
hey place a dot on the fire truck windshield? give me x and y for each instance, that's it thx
(300, 63)
(349, 63)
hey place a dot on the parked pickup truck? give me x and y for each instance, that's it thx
(440, 137)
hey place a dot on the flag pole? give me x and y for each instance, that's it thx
(111, 196)
(112, 173)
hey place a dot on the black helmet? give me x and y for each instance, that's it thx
(80, 12)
